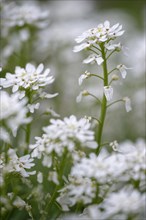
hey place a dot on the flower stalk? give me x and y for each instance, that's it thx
(104, 101)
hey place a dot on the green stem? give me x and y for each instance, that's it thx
(61, 171)
(120, 100)
(104, 101)
(97, 76)
(98, 100)
(28, 126)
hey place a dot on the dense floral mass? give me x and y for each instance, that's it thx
(108, 172)
(13, 113)
(61, 134)
(20, 15)
(60, 160)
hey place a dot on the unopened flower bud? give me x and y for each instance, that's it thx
(85, 93)
(115, 77)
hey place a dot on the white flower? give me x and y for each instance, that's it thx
(97, 58)
(47, 96)
(114, 145)
(81, 47)
(102, 33)
(13, 111)
(29, 78)
(19, 203)
(20, 164)
(53, 177)
(81, 94)
(84, 76)
(52, 112)
(117, 47)
(61, 134)
(21, 14)
(122, 68)
(127, 104)
(113, 204)
(40, 177)
(32, 107)
(108, 91)
(79, 190)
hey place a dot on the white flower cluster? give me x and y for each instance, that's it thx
(122, 205)
(15, 164)
(21, 14)
(13, 113)
(27, 78)
(103, 33)
(98, 41)
(111, 171)
(61, 134)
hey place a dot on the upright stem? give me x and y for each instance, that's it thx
(104, 101)
(28, 126)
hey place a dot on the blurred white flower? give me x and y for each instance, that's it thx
(21, 14)
(32, 107)
(53, 176)
(20, 164)
(113, 205)
(81, 94)
(79, 190)
(122, 68)
(127, 104)
(13, 111)
(97, 58)
(81, 47)
(108, 91)
(114, 145)
(117, 47)
(19, 203)
(84, 76)
(107, 172)
(40, 177)
(113, 208)
(61, 134)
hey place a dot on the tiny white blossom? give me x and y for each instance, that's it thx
(52, 112)
(108, 91)
(53, 177)
(84, 76)
(32, 107)
(127, 104)
(81, 94)
(81, 47)
(20, 164)
(114, 145)
(117, 47)
(97, 58)
(40, 177)
(19, 203)
(122, 68)
(47, 96)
